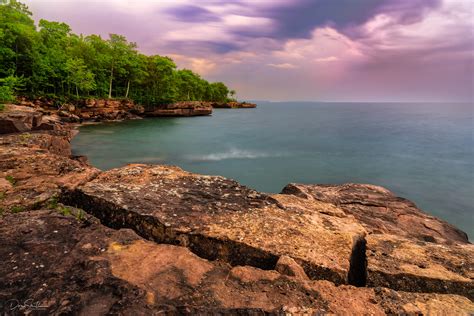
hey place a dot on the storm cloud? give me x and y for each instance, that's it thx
(386, 50)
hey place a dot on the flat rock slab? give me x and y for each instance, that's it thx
(34, 174)
(218, 218)
(402, 264)
(64, 265)
(381, 211)
(185, 108)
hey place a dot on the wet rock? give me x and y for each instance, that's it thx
(188, 108)
(218, 218)
(416, 266)
(380, 211)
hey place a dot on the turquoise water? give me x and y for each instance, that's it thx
(424, 152)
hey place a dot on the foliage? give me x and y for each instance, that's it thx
(9, 86)
(2, 107)
(11, 179)
(53, 61)
(17, 209)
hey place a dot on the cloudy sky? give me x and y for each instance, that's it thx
(328, 50)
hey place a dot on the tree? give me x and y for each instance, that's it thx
(59, 63)
(79, 76)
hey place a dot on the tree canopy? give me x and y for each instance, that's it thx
(50, 60)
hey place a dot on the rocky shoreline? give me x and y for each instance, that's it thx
(100, 110)
(149, 239)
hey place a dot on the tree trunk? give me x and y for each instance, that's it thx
(128, 89)
(110, 82)
(77, 92)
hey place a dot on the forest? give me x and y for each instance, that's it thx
(49, 60)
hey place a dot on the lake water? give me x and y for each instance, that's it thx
(424, 152)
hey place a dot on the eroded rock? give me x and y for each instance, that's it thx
(77, 266)
(35, 174)
(380, 211)
(218, 218)
(233, 105)
(188, 108)
(417, 266)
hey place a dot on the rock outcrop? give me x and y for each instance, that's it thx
(97, 110)
(147, 239)
(380, 211)
(233, 105)
(63, 264)
(18, 119)
(185, 108)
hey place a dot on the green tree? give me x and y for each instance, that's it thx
(56, 62)
(79, 76)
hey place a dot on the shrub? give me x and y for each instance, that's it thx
(17, 208)
(11, 180)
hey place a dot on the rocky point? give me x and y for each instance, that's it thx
(149, 239)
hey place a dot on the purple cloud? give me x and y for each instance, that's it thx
(298, 49)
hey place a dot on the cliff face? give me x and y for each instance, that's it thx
(233, 105)
(189, 108)
(144, 239)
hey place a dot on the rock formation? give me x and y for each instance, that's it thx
(187, 108)
(233, 105)
(150, 239)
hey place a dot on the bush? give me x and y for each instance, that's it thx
(2, 107)
(8, 88)
(6, 94)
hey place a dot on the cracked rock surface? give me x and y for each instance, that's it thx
(150, 239)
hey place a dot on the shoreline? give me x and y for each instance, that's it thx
(334, 241)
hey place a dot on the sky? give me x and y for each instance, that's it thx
(307, 50)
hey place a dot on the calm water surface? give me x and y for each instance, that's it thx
(424, 152)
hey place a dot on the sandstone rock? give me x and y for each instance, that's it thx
(233, 105)
(38, 174)
(189, 108)
(18, 119)
(219, 219)
(77, 266)
(416, 266)
(108, 110)
(287, 266)
(380, 211)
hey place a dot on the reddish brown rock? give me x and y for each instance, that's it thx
(66, 264)
(233, 105)
(188, 108)
(218, 218)
(380, 211)
(18, 119)
(417, 266)
(36, 174)
(288, 266)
